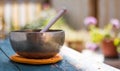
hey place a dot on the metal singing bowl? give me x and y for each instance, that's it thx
(35, 44)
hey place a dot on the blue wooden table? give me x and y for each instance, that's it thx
(72, 61)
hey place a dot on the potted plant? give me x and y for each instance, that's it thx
(107, 37)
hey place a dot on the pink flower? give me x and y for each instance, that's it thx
(90, 20)
(115, 23)
(91, 46)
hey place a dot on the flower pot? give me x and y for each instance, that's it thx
(109, 49)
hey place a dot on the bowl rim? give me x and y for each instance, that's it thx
(36, 31)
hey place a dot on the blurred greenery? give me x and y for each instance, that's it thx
(97, 35)
(41, 21)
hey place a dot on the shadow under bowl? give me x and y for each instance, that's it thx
(34, 44)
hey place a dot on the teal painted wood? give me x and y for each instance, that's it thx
(7, 65)
(72, 61)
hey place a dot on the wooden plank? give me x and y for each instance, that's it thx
(108, 9)
(31, 10)
(2, 23)
(7, 15)
(15, 18)
(72, 61)
(22, 12)
(77, 10)
(113, 62)
(38, 7)
(84, 63)
(7, 65)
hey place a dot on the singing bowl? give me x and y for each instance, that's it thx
(36, 44)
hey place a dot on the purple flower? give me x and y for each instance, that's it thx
(91, 46)
(90, 20)
(115, 23)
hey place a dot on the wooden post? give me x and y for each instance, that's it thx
(15, 20)
(108, 9)
(38, 7)
(77, 10)
(2, 21)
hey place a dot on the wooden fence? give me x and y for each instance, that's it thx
(108, 9)
(21, 11)
(103, 10)
(18, 13)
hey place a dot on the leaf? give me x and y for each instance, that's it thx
(116, 41)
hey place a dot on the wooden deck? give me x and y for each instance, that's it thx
(72, 61)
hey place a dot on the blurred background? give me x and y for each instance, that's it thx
(35, 14)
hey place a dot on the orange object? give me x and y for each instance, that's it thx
(19, 59)
(109, 49)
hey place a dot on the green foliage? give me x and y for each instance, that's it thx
(117, 41)
(35, 24)
(97, 34)
(42, 21)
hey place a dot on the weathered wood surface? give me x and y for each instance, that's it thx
(7, 65)
(72, 61)
(113, 62)
(104, 10)
(107, 9)
(84, 63)
(77, 10)
(17, 13)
